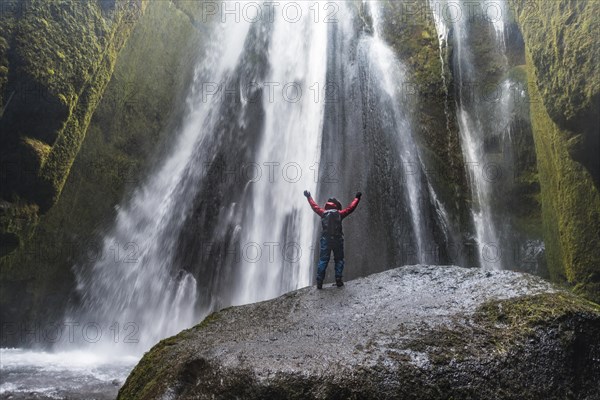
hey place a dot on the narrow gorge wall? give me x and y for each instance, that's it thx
(411, 33)
(564, 84)
(131, 117)
(56, 60)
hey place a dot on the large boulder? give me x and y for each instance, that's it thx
(419, 332)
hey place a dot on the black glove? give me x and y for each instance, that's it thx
(358, 195)
(307, 194)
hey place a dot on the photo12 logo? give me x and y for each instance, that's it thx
(454, 11)
(253, 252)
(272, 171)
(270, 92)
(256, 12)
(24, 334)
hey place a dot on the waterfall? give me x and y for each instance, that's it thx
(251, 114)
(484, 114)
(222, 220)
(139, 292)
(390, 74)
(315, 100)
(278, 226)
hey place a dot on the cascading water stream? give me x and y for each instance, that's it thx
(442, 45)
(277, 223)
(482, 120)
(155, 292)
(420, 194)
(132, 292)
(140, 292)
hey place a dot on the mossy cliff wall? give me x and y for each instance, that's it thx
(564, 85)
(411, 33)
(56, 59)
(129, 127)
(410, 30)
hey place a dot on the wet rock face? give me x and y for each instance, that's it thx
(567, 69)
(419, 332)
(153, 70)
(56, 59)
(564, 85)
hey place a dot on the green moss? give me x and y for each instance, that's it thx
(143, 382)
(413, 37)
(498, 325)
(61, 53)
(511, 322)
(40, 148)
(518, 74)
(527, 213)
(561, 37)
(17, 224)
(570, 205)
(520, 316)
(150, 374)
(208, 320)
(564, 83)
(55, 171)
(153, 69)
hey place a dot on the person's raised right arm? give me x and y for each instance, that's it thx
(350, 209)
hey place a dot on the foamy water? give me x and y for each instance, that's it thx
(60, 375)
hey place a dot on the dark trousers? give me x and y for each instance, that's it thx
(329, 244)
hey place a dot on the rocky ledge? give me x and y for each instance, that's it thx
(418, 332)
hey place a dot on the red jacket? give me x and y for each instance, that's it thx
(329, 205)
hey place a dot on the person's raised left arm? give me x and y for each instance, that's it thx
(315, 207)
(350, 209)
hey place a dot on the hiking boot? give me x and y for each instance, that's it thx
(338, 282)
(319, 284)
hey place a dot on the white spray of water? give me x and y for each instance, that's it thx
(392, 74)
(138, 290)
(280, 222)
(457, 15)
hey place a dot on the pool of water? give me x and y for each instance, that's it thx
(30, 374)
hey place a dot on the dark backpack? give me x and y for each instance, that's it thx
(332, 223)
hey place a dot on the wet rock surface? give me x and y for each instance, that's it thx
(418, 332)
